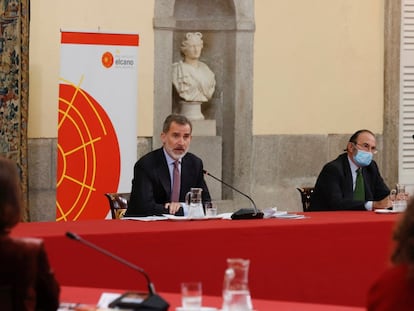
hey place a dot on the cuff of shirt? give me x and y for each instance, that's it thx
(185, 208)
(368, 205)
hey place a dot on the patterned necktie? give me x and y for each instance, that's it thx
(175, 194)
(359, 192)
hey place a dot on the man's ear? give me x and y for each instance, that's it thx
(349, 147)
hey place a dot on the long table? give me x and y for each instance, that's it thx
(327, 257)
(90, 296)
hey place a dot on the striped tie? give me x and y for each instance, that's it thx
(175, 194)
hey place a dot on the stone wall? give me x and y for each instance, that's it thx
(284, 162)
(42, 175)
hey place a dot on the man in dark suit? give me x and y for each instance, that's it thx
(338, 186)
(152, 186)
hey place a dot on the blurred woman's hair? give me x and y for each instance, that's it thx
(404, 238)
(10, 195)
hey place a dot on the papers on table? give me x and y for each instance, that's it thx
(146, 218)
(272, 212)
(385, 211)
(289, 216)
(177, 218)
(226, 215)
(106, 299)
(103, 303)
(173, 217)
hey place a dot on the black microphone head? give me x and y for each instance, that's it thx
(205, 172)
(247, 213)
(72, 236)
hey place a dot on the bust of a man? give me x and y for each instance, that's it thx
(192, 79)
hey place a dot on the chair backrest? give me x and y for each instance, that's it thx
(306, 194)
(118, 204)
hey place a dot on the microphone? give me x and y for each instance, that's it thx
(137, 301)
(243, 213)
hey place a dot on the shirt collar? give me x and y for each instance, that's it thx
(168, 157)
(353, 166)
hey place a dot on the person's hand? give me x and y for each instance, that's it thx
(384, 203)
(173, 207)
(407, 196)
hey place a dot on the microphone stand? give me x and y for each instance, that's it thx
(152, 302)
(243, 213)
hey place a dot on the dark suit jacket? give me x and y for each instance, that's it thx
(334, 186)
(151, 186)
(24, 268)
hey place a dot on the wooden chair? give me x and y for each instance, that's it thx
(118, 204)
(306, 194)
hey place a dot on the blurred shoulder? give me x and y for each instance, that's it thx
(152, 156)
(338, 162)
(191, 157)
(29, 244)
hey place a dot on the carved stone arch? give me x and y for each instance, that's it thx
(228, 28)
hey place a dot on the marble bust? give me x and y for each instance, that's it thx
(193, 79)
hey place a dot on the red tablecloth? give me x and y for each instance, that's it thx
(90, 296)
(328, 257)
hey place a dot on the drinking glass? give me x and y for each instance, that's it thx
(210, 208)
(191, 295)
(399, 198)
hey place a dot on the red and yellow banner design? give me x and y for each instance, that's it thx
(97, 121)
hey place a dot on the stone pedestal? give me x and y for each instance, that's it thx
(192, 110)
(204, 127)
(209, 149)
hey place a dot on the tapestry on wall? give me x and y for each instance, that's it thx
(14, 85)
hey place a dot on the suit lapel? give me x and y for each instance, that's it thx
(187, 175)
(367, 183)
(163, 172)
(348, 187)
(184, 173)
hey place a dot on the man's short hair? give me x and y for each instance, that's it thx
(177, 118)
(354, 137)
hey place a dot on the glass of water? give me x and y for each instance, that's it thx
(210, 209)
(191, 294)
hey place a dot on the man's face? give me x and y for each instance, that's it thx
(365, 141)
(177, 140)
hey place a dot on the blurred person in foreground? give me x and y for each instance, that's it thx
(152, 190)
(394, 289)
(24, 267)
(352, 181)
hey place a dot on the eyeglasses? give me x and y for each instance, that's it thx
(367, 147)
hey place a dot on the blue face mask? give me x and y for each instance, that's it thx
(363, 158)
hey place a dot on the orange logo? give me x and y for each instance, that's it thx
(107, 59)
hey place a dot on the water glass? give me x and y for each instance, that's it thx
(191, 295)
(399, 198)
(210, 209)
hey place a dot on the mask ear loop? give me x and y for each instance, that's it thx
(353, 145)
